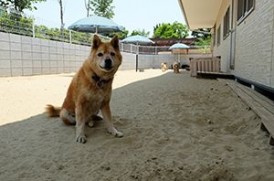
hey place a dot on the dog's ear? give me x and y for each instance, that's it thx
(115, 42)
(96, 42)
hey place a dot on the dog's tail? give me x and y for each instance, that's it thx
(53, 111)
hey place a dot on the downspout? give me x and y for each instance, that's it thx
(232, 30)
(271, 64)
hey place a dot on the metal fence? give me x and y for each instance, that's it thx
(27, 27)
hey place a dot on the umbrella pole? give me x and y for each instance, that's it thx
(137, 57)
(137, 62)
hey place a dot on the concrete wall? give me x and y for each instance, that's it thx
(150, 61)
(254, 47)
(21, 55)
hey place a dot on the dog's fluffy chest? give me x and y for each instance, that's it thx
(94, 100)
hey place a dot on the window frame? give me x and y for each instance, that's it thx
(245, 9)
(226, 24)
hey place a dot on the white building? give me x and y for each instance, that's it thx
(243, 36)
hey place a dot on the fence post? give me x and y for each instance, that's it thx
(122, 47)
(70, 36)
(33, 27)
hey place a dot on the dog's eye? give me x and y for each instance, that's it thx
(99, 54)
(112, 54)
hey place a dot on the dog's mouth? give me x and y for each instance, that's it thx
(106, 68)
(106, 65)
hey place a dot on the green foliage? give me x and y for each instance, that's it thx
(204, 37)
(140, 32)
(20, 5)
(167, 30)
(121, 35)
(21, 26)
(204, 42)
(201, 33)
(102, 8)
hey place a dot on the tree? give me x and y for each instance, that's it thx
(167, 30)
(20, 5)
(122, 35)
(203, 42)
(88, 6)
(140, 32)
(61, 16)
(102, 8)
(203, 35)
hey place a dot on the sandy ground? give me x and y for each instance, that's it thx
(176, 128)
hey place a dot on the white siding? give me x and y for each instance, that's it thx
(254, 52)
(223, 49)
(254, 44)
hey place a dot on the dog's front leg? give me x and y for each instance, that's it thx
(80, 125)
(108, 121)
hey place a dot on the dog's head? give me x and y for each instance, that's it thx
(106, 55)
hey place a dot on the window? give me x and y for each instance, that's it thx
(244, 8)
(226, 24)
(219, 35)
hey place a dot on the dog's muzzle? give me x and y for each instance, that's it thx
(107, 64)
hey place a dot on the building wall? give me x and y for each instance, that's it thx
(272, 56)
(223, 49)
(254, 49)
(254, 44)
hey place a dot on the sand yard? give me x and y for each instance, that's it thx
(175, 128)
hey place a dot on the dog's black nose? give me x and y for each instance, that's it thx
(108, 63)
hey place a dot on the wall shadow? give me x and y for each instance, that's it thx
(39, 147)
(174, 126)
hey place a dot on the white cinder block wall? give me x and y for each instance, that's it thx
(254, 47)
(21, 55)
(222, 49)
(254, 50)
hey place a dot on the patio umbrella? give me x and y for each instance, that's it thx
(139, 40)
(178, 46)
(95, 24)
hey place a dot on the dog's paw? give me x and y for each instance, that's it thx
(119, 134)
(81, 139)
(115, 133)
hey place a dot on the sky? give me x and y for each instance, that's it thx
(131, 14)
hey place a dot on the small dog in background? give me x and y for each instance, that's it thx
(176, 67)
(90, 90)
(164, 67)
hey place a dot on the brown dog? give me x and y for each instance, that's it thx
(90, 89)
